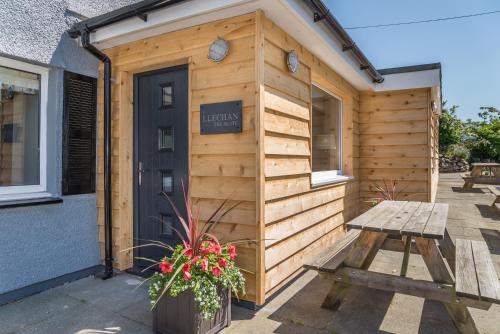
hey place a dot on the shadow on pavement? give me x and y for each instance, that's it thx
(487, 211)
(492, 238)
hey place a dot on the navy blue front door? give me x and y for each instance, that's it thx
(161, 106)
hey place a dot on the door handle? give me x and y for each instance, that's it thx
(140, 170)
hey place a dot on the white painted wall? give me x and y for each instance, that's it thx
(410, 80)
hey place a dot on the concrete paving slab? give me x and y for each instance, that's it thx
(114, 294)
(88, 319)
(19, 315)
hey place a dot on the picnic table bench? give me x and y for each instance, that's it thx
(421, 227)
(482, 173)
(495, 190)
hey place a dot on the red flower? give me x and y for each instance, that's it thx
(194, 259)
(188, 250)
(206, 247)
(166, 267)
(232, 252)
(222, 262)
(185, 270)
(216, 249)
(204, 264)
(216, 271)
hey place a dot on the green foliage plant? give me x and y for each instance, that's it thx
(200, 263)
(451, 128)
(458, 150)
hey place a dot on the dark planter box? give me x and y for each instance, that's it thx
(180, 315)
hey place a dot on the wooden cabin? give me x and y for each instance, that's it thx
(317, 134)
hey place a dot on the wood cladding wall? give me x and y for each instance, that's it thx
(266, 167)
(300, 221)
(395, 143)
(221, 166)
(434, 140)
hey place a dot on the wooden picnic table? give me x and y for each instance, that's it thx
(412, 227)
(482, 173)
(479, 169)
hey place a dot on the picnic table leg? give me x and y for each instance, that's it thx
(361, 256)
(365, 249)
(461, 318)
(335, 296)
(434, 261)
(448, 250)
(406, 256)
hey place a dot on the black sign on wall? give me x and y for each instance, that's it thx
(223, 117)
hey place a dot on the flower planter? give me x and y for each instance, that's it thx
(180, 315)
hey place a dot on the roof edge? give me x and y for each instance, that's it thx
(321, 12)
(412, 68)
(139, 9)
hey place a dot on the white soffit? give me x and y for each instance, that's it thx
(410, 80)
(291, 15)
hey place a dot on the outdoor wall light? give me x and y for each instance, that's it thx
(433, 106)
(218, 50)
(292, 60)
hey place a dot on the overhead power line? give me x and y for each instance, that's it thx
(424, 21)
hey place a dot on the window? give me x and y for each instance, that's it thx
(23, 97)
(167, 223)
(326, 137)
(167, 182)
(167, 95)
(166, 139)
(79, 134)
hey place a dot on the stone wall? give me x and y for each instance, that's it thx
(453, 164)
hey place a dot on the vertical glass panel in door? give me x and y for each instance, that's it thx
(167, 222)
(166, 139)
(167, 182)
(167, 95)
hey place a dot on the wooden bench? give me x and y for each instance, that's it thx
(468, 181)
(495, 190)
(335, 255)
(475, 274)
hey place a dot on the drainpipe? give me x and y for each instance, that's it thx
(108, 246)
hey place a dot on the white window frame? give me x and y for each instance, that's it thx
(329, 176)
(9, 193)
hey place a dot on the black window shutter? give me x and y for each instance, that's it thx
(79, 134)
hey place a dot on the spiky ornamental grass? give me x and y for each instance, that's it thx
(201, 263)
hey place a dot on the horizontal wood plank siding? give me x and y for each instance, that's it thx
(267, 167)
(221, 166)
(394, 138)
(300, 221)
(433, 138)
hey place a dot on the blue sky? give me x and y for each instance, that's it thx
(468, 49)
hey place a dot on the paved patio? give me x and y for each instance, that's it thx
(116, 306)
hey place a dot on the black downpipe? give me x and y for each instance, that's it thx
(83, 29)
(108, 246)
